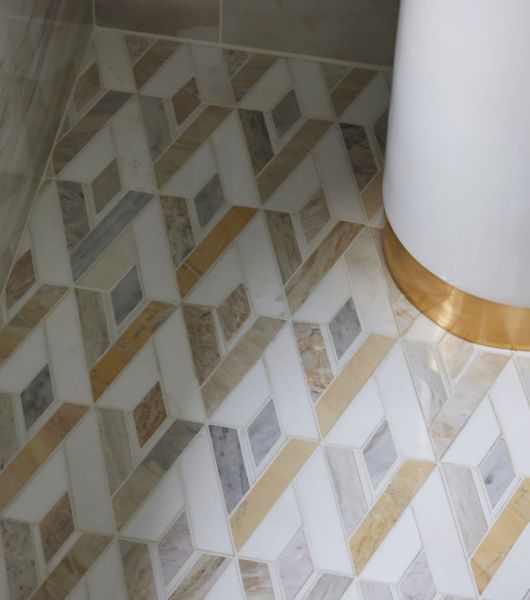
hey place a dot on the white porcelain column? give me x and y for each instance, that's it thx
(457, 177)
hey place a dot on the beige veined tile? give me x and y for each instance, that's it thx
(269, 488)
(494, 548)
(137, 570)
(201, 577)
(351, 379)
(56, 527)
(387, 510)
(256, 580)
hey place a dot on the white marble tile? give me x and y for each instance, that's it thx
(113, 61)
(369, 104)
(212, 74)
(311, 89)
(227, 586)
(92, 159)
(24, 363)
(456, 354)
(271, 88)
(105, 580)
(171, 76)
(424, 330)
(417, 583)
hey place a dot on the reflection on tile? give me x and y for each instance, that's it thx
(178, 227)
(137, 570)
(360, 153)
(185, 145)
(19, 557)
(295, 566)
(105, 232)
(234, 60)
(234, 311)
(314, 216)
(252, 71)
(257, 138)
(348, 486)
(284, 242)
(186, 100)
(73, 208)
(501, 537)
(149, 415)
(106, 185)
(239, 361)
(203, 339)
(150, 471)
(156, 124)
(8, 431)
(69, 572)
(386, 511)
(373, 590)
(286, 113)
(497, 471)
(329, 587)
(264, 432)
(315, 360)
(175, 548)
(37, 451)
(152, 60)
(87, 87)
(349, 88)
(209, 201)
(257, 581)
(319, 263)
(136, 46)
(351, 379)
(380, 130)
(37, 396)
(126, 295)
(86, 128)
(290, 156)
(116, 449)
(344, 328)
(201, 577)
(379, 454)
(56, 527)
(21, 278)
(418, 583)
(230, 465)
(93, 324)
(266, 491)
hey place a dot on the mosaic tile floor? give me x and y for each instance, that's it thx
(209, 385)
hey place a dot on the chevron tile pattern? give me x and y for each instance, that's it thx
(210, 387)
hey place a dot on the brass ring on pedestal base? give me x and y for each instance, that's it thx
(467, 316)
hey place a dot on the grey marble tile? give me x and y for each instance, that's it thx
(233, 312)
(361, 157)
(314, 356)
(284, 242)
(209, 201)
(295, 566)
(126, 295)
(344, 328)
(466, 504)
(8, 433)
(234, 60)
(106, 231)
(37, 396)
(418, 583)
(329, 587)
(286, 113)
(106, 185)
(178, 227)
(87, 87)
(116, 447)
(93, 324)
(137, 570)
(152, 60)
(380, 454)
(264, 432)
(73, 209)
(137, 46)
(381, 130)
(375, 590)
(257, 581)
(21, 278)
(348, 486)
(230, 465)
(497, 471)
(203, 339)
(257, 138)
(175, 548)
(156, 124)
(19, 556)
(186, 100)
(314, 216)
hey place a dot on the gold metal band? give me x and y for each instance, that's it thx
(467, 316)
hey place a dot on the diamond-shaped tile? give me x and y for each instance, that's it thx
(360, 153)
(37, 397)
(286, 113)
(126, 295)
(106, 185)
(175, 548)
(295, 566)
(264, 432)
(418, 583)
(497, 471)
(234, 311)
(379, 454)
(149, 415)
(186, 100)
(344, 328)
(314, 216)
(56, 527)
(209, 200)
(203, 340)
(21, 278)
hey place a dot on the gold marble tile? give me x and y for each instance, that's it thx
(152, 60)
(21, 278)
(319, 263)
(149, 415)
(239, 361)
(351, 379)
(213, 245)
(495, 546)
(349, 88)
(265, 493)
(386, 511)
(314, 356)
(56, 527)
(234, 311)
(372, 196)
(201, 577)
(137, 570)
(290, 156)
(124, 349)
(185, 145)
(37, 451)
(252, 71)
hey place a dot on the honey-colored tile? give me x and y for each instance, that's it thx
(152, 60)
(351, 379)
(387, 510)
(269, 488)
(56, 527)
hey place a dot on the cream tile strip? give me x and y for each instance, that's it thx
(269, 488)
(494, 548)
(36, 452)
(387, 510)
(319, 263)
(351, 379)
(120, 354)
(239, 362)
